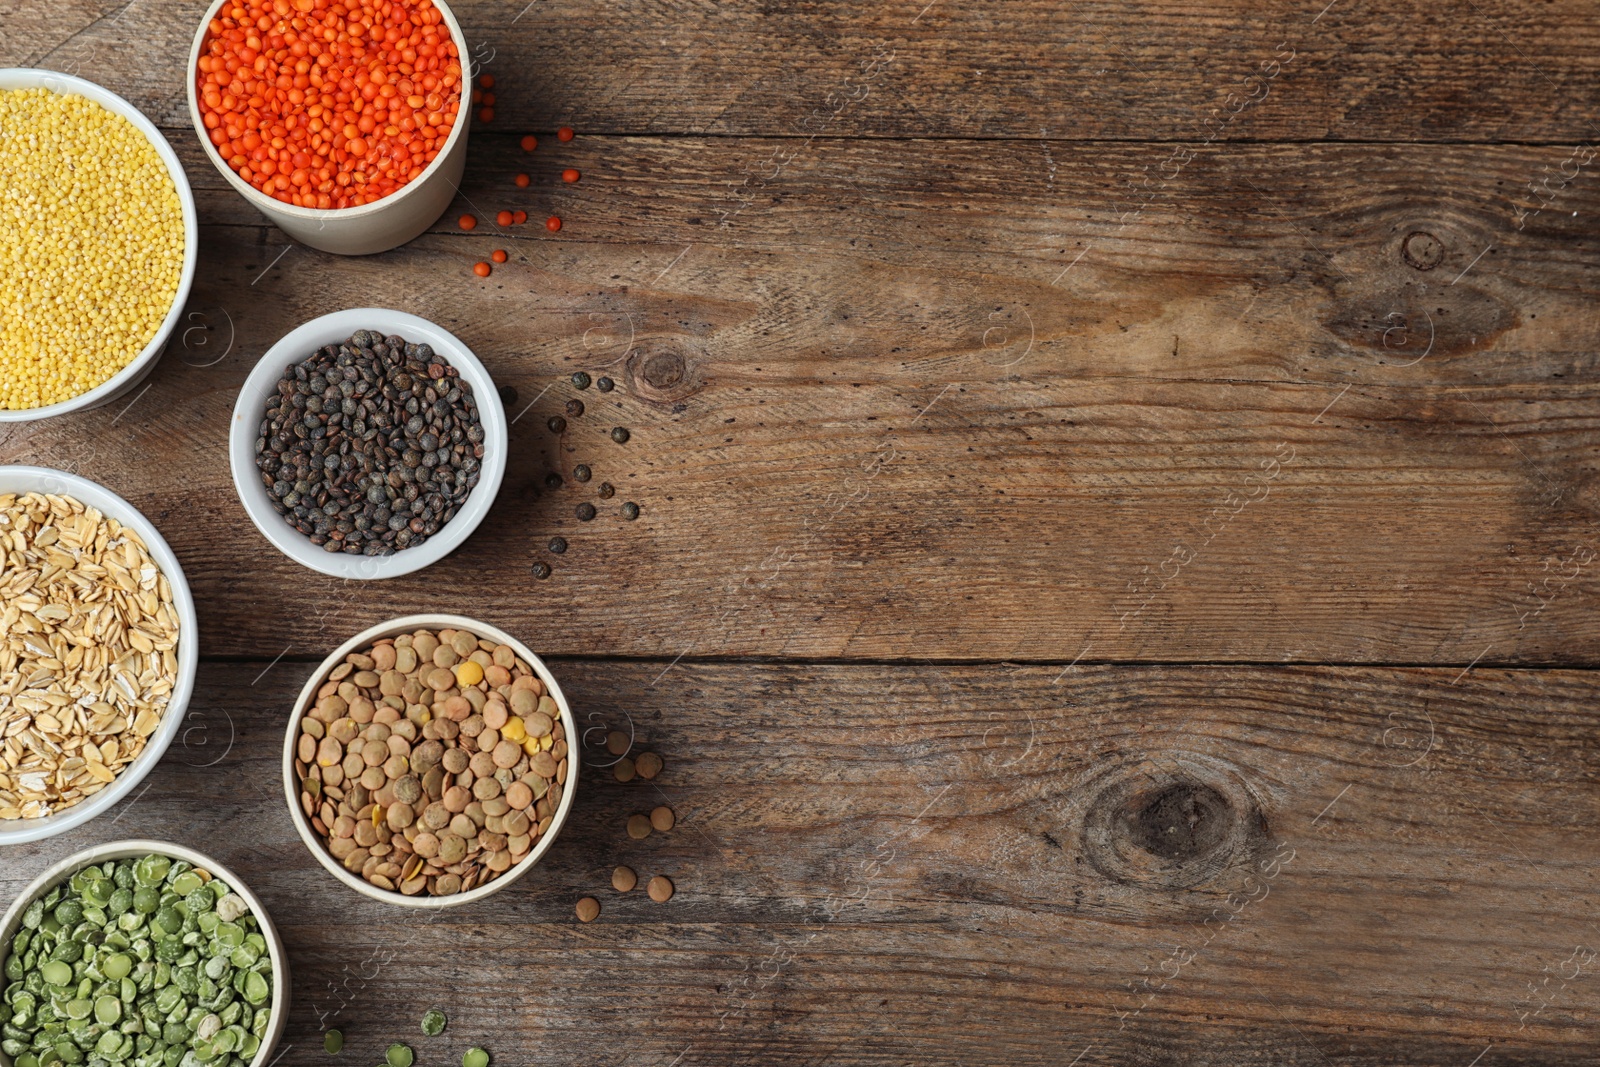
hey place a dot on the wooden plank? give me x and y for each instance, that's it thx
(1151, 70)
(881, 432)
(978, 865)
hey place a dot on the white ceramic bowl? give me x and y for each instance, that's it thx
(375, 227)
(392, 628)
(117, 850)
(297, 345)
(134, 373)
(45, 480)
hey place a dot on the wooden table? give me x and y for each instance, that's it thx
(1115, 579)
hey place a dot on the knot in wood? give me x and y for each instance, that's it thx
(1422, 250)
(1170, 826)
(663, 370)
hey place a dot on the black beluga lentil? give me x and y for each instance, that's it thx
(370, 446)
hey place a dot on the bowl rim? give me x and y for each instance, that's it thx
(96, 495)
(144, 361)
(263, 202)
(123, 849)
(295, 346)
(390, 628)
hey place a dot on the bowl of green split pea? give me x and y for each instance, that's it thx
(140, 954)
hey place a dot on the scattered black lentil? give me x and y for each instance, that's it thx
(630, 511)
(541, 569)
(620, 435)
(558, 545)
(581, 473)
(557, 424)
(585, 511)
(607, 490)
(508, 395)
(581, 379)
(605, 385)
(574, 408)
(553, 480)
(370, 446)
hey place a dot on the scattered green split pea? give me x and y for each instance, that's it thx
(475, 1057)
(399, 1055)
(333, 1042)
(433, 1022)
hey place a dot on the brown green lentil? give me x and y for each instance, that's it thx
(620, 435)
(605, 385)
(585, 511)
(581, 379)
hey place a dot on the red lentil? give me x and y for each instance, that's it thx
(552, 224)
(570, 175)
(564, 133)
(486, 114)
(519, 217)
(498, 255)
(522, 181)
(529, 143)
(486, 81)
(503, 219)
(481, 269)
(467, 222)
(329, 103)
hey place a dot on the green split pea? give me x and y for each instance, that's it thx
(137, 963)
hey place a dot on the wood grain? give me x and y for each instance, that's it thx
(890, 864)
(1152, 70)
(1232, 430)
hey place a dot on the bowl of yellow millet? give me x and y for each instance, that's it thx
(98, 244)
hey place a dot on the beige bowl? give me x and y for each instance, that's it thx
(117, 850)
(375, 227)
(392, 628)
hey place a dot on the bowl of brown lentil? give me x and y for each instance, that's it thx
(98, 654)
(427, 762)
(368, 443)
(84, 320)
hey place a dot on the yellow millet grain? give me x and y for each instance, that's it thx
(91, 245)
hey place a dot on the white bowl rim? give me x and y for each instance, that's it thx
(261, 201)
(58, 872)
(390, 628)
(96, 495)
(297, 345)
(191, 234)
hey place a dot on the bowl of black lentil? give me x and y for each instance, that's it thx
(368, 443)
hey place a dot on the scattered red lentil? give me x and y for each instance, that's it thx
(481, 269)
(329, 103)
(488, 100)
(564, 133)
(522, 181)
(504, 218)
(498, 255)
(486, 81)
(519, 217)
(467, 222)
(552, 224)
(529, 143)
(570, 175)
(486, 114)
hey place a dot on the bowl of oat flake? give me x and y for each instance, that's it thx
(98, 650)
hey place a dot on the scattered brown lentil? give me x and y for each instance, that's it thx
(623, 879)
(638, 827)
(617, 743)
(623, 770)
(588, 909)
(606, 490)
(558, 545)
(663, 819)
(648, 764)
(585, 511)
(541, 569)
(557, 424)
(574, 408)
(660, 889)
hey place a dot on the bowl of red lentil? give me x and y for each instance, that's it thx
(84, 318)
(344, 122)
